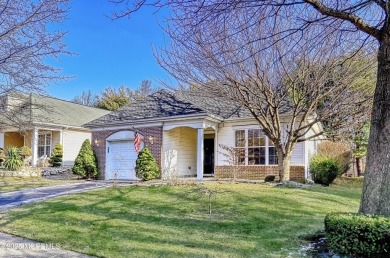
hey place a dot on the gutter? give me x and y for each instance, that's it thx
(156, 120)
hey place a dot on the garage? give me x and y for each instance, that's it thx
(121, 156)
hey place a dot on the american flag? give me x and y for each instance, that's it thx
(138, 139)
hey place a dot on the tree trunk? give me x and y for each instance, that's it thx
(284, 167)
(376, 188)
(358, 168)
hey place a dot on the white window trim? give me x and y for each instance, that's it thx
(51, 142)
(246, 129)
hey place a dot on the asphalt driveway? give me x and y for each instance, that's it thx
(18, 198)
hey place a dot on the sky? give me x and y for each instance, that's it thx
(107, 53)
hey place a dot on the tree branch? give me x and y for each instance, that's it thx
(354, 19)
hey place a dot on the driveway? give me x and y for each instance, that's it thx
(18, 198)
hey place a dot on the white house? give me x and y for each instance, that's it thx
(185, 133)
(39, 122)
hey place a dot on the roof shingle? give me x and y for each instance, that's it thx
(163, 104)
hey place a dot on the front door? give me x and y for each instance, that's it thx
(208, 161)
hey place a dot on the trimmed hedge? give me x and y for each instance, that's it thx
(146, 165)
(86, 164)
(358, 234)
(324, 169)
(56, 155)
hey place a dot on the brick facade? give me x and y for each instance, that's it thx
(297, 173)
(101, 136)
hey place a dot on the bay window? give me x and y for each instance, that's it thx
(256, 148)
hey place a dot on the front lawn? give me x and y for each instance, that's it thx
(248, 220)
(9, 184)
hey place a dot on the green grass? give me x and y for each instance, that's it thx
(248, 220)
(9, 184)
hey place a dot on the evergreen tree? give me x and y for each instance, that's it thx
(112, 99)
(56, 155)
(86, 162)
(146, 165)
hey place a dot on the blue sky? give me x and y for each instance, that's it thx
(108, 53)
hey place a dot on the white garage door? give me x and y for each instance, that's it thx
(122, 157)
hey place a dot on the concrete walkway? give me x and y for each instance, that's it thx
(12, 246)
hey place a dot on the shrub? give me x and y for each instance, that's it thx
(56, 155)
(86, 162)
(25, 151)
(324, 169)
(146, 166)
(358, 234)
(2, 155)
(269, 178)
(14, 161)
(338, 151)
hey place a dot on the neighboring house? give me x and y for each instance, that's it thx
(185, 132)
(40, 122)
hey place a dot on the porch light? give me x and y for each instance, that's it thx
(97, 142)
(151, 139)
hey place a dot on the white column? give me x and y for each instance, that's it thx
(62, 138)
(34, 147)
(2, 140)
(199, 155)
(216, 146)
(62, 143)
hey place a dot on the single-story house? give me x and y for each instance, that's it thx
(39, 122)
(188, 135)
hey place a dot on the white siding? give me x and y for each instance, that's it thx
(310, 150)
(56, 137)
(298, 154)
(72, 141)
(226, 136)
(179, 152)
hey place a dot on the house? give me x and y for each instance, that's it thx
(39, 122)
(186, 133)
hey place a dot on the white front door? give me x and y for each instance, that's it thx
(122, 157)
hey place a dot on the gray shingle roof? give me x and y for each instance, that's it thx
(214, 106)
(38, 109)
(164, 104)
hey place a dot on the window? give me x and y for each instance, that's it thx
(44, 144)
(272, 156)
(256, 148)
(240, 146)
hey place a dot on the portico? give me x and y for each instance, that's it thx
(183, 147)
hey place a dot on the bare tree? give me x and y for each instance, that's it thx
(233, 157)
(87, 98)
(288, 98)
(143, 90)
(26, 42)
(355, 23)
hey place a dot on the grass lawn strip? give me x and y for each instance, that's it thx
(248, 220)
(9, 184)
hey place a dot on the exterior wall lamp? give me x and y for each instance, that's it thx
(151, 139)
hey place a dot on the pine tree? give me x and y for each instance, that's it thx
(146, 165)
(86, 162)
(56, 155)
